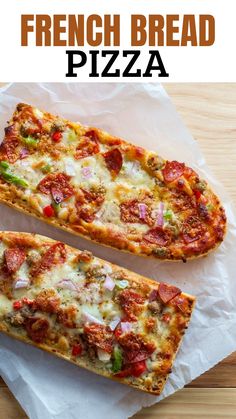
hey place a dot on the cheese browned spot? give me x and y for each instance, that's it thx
(95, 314)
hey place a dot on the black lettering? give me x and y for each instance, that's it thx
(159, 66)
(114, 54)
(71, 64)
(94, 72)
(135, 54)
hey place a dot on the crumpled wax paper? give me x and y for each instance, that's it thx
(48, 387)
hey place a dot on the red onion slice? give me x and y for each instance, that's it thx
(126, 327)
(67, 284)
(86, 172)
(153, 296)
(70, 169)
(142, 211)
(109, 284)
(57, 195)
(114, 323)
(24, 153)
(88, 318)
(160, 217)
(131, 169)
(103, 356)
(21, 283)
(106, 269)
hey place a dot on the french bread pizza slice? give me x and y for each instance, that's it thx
(90, 312)
(99, 186)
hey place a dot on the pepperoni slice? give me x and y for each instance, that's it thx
(88, 145)
(36, 328)
(9, 146)
(131, 302)
(132, 357)
(135, 347)
(99, 336)
(55, 255)
(193, 229)
(168, 292)
(181, 302)
(113, 160)
(158, 236)
(14, 258)
(57, 185)
(153, 295)
(173, 170)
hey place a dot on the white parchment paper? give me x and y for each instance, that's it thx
(48, 387)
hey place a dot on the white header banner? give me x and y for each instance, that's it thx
(131, 41)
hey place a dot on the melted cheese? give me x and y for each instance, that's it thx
(5, 305)
(65, 271)
(85, 173)
(123, 174)
(132, 175)
(22, 273)
(38, 113)
(24, 170)
(89, 302)
(109, 213)
(70, 136)
(98, 174)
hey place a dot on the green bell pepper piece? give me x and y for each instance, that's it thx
(30, 141)
(122, 284)
(9, 177)
(168, 214)
(46, 169)
(72, 136)
(56, 207)
(4, 165)
(117, 360)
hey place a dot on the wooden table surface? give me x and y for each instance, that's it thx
(209, 111)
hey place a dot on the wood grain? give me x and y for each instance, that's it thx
(194, 403)
(9, 407)
(222, 375)
(209, 111)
